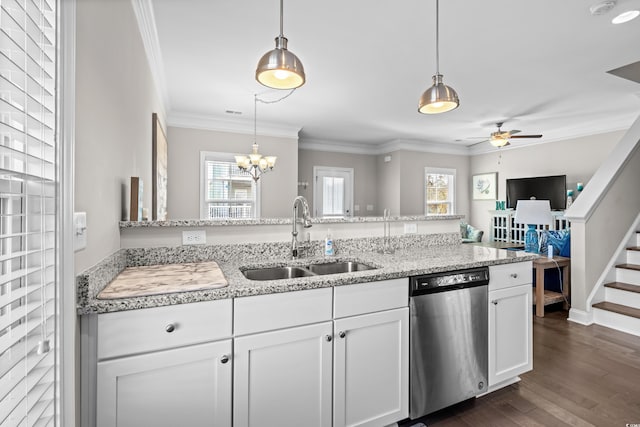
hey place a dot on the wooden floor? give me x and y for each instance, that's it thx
(582, 376)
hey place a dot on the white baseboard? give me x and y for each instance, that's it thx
(580, 316)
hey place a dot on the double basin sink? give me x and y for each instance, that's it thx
(290, 272)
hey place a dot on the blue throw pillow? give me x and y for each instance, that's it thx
(559, 239)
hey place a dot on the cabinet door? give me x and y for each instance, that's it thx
(167, 388)
(510, 333)
(283, 378)
(371, 369)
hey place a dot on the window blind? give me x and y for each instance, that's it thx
(28, 236)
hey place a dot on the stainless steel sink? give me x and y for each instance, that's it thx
(339, 267)
(278, 273)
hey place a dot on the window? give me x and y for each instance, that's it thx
(227, 192)
(440, 191)
(332, 191)
(28, 213)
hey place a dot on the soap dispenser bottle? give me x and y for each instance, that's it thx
(328, 244)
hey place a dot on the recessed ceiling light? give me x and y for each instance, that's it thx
(625, 16)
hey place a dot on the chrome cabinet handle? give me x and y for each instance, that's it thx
(342, 334)
(494, 302)
(170, 328)
(514, 275)
(328, 338)
(224, 358)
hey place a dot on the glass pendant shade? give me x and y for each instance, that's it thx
(439, 98)
(498, 141)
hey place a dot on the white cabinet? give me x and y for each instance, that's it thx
(167, 388)
(163, 366)
(371, 359)
(283, 359)
(510, 322)
(285, 374)
(283, 378)
(371, 369)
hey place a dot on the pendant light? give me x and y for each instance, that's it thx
(280, 68)
(255, 164)
(439, 98)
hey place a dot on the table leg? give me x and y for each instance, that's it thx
(566, 285)
(540, 292)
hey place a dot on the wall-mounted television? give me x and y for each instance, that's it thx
(552, 188)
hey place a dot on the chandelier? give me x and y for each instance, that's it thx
(255, 164)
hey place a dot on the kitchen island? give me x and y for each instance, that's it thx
(325, 350)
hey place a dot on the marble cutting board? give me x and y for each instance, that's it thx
(164, 279)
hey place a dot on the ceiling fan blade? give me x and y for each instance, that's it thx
(526, 136)
(476, 143)
(513, 132)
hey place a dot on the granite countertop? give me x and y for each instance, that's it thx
(403, 263)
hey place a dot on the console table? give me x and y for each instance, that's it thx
(549, 297)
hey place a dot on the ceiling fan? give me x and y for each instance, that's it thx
(501, 138)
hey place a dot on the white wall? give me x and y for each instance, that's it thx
(115, 98)
(278, 187)
(364, 171)
(577, 158)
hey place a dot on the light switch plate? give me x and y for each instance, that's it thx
(410, 228)
(194, 237)
(79, 230)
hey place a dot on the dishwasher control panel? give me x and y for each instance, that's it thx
(438, 282)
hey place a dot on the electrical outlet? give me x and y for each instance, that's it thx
(194, 237)
(410, 228)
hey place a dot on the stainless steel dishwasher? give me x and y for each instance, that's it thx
(448, 339)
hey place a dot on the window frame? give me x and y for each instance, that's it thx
(451, 172)
(206, 156)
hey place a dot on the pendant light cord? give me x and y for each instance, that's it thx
(437, 37)
(255, 109)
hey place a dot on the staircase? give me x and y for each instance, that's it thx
(621, 306)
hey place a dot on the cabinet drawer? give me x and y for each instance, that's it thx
(274, 311)
(351, 300)
(507, 275)
(139, 331)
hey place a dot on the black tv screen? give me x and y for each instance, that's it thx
(552, 188)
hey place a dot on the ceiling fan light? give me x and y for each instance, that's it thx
(280, 68)
(498, 140)
(439, 98)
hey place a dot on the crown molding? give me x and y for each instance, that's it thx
(376, 149)
(204, 122)
(143, 10)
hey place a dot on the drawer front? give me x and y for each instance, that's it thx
(507, 275)
(151, 329)
(361, 298)
(275, 311)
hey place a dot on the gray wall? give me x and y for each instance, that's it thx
(577, 158)
(397, 184)
(278, 187)
(364, 176)
(115, 97)
(389, 183)
(412, 192)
